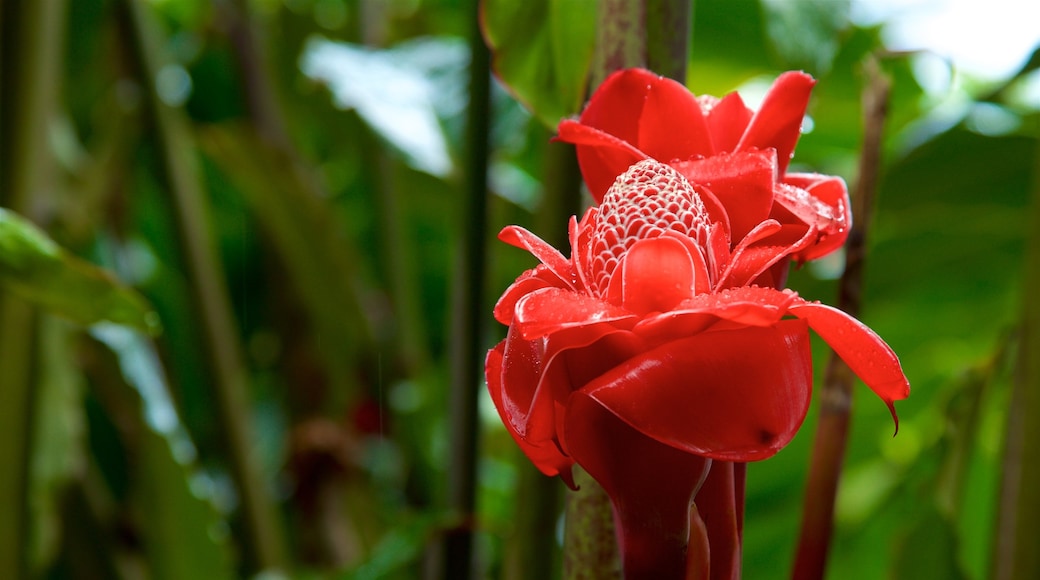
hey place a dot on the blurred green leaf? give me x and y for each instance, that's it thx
(805, 34)
(542, 50)
(185, 537)
(57, 440)
(929, 549)
(39, 271)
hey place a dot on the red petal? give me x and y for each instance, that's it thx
(744, 305)
(511, 378)
(821, 201)
(867, 355)
(657, 273)
(601, 156)
(546, 254)
(672, 125)
(531, 280)
(727, 121)
(617, 105)
(551, 310)
(742, 181)
(735, 395)
(778, 122)
(650, 485)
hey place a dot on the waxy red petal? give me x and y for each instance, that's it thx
(822, 202)
(551, 310)
(867, 355)
(657, 273)
(727, 121)
(743, 182)
(617, 104)
(504, 377)
(778, 122)
(531, 280)
(672, 125)
(552, 258)
(601, 156)
(744, 305)
(709, 395)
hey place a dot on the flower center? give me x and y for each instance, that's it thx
(646, 201)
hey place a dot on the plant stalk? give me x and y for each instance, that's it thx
(264, 544)
(836, 395)
(468, 313)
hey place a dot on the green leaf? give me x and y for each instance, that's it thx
(806, 34)
(39, 271)
(542, 50)
(185, 536)
(57, 440)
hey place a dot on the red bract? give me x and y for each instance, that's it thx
(738, 155)
(647, 353)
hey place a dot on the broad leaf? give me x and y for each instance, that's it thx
(542, 50)
(39, 271)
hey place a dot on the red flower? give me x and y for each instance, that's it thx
(647, 353)
(739, 156)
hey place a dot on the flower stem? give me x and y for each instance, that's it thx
(590, 547)
(836, 395)
(1015, 556)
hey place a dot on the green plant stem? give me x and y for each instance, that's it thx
(468, 313)
(262, 529)
(1015, 555)
(669, 28)
(590, 550)
(836, 395)
(31, 33)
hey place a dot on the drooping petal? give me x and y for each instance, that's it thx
(743, 182)
(601, 156)
(727, 121)
(551, 310)
(861, 348)
(552, 258)
(710, 395)
(778, 122)
(651, 486)
(657, 273)
(505, 381)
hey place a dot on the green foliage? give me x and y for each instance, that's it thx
(334, 244)
(542, 51)
(36, 269)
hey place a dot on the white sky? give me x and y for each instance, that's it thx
(987, 39)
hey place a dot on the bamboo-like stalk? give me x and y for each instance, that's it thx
(264, 545)
(669, 25)
(32, 39)
(468, 314)
(1015, 556)
(836, 394)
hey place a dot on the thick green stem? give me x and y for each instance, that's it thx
(669, 26)
(1015, 555)
(468, 313)
(264, 542)
(836, 395)
(31, 33)
(590, 550)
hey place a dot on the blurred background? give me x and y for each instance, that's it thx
(284, 182)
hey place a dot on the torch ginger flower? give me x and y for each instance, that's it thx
(650, 352)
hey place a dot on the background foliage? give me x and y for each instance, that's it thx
(281, 181)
